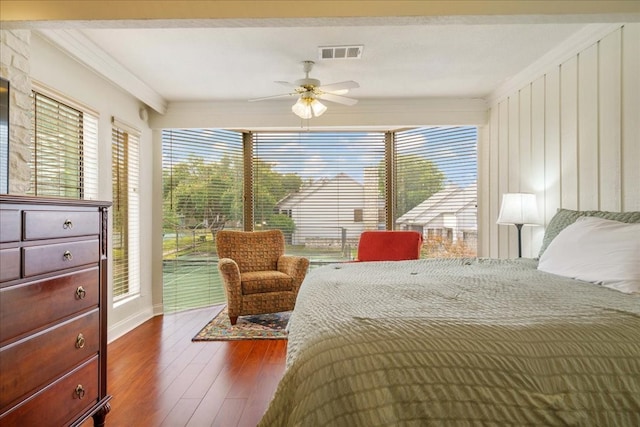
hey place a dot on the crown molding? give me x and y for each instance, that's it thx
(83, 50)
(575, 44)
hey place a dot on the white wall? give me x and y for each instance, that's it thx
(571, 136)
(58, 71)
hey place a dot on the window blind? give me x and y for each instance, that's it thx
(436, 187)
(64, 150)
(126, 211)
(322, 189)
(202, 177)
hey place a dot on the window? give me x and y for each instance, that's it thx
(333, 183)
(64, 149)
(436, 191)
(322, 189)
(126, 211)
(202, 177)
(357, 215)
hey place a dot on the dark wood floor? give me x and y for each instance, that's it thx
(158, 377)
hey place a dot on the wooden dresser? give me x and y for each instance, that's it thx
(53, 317)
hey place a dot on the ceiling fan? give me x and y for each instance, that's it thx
(310, 92)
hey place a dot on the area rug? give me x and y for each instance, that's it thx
(258, 327)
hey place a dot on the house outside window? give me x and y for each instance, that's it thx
(333, 183)
(436, 184)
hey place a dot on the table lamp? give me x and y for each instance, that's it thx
(519, 209)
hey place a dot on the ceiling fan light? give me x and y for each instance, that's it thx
(318, 108)
(302, 109)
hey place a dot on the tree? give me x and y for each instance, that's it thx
(205, 194)
(281, 222)
(269, 188)
(417, 179)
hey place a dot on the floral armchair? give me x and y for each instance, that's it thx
(258, 277)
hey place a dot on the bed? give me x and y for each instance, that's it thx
(458, 342)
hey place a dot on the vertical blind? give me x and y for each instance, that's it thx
(321, 188)
(64, 150)
(125, 211)
(202, 177)
(436, 187)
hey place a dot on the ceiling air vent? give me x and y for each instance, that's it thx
(341, 52)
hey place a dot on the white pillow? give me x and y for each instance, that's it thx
(596, 250)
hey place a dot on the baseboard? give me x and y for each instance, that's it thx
(158, 309)
(127, 325)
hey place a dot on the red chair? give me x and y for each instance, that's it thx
(389, 245)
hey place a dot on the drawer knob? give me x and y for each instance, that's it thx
(79, 391)
(67, 256)
(67, 224)
(80, 341)
(81, 293)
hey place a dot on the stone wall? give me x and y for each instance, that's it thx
(15, 67)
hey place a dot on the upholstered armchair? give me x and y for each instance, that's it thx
(389, 245)
(258, 277)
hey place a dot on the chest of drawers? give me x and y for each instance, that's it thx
(53, 317)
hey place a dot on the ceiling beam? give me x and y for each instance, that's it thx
(83, 50)
(82, 10)
(385, 114)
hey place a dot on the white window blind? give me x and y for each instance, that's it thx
(435, 183)
(321, 188)
(64, 150)
(202, 177)
(125, 211)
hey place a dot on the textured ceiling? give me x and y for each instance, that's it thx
(238, 63)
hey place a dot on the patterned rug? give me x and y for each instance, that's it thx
(258, 327)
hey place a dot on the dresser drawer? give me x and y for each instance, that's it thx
(9, 264)
(49, 258)
(9, 225)
(26, 307)
(54, 224)
(59, 403)
(34, 362)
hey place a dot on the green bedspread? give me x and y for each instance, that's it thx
(459, 343)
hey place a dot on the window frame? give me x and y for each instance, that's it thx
(85, 183)
(126, 276)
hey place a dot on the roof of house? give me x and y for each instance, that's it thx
(450, 200)
(293, 199)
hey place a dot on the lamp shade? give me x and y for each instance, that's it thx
(307, 107)
(318, 108)
(518, 208)
(302, 109)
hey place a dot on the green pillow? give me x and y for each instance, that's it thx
(565, 217)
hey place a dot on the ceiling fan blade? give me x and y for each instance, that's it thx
(338, 99)
(287, 84)
(333, 87)
(283, 95)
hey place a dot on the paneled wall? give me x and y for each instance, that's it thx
(571, 136)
